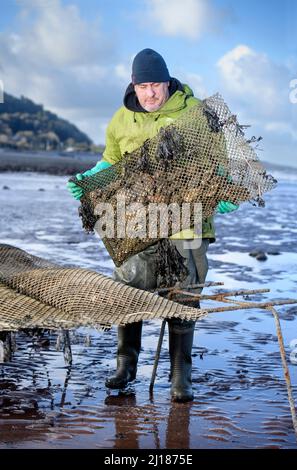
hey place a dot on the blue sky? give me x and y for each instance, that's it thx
(74, 56)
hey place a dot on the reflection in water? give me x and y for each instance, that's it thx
(126, 430)
(64, 391)
(18, 412)
(177, 432)
(239, 394)
(133, 422)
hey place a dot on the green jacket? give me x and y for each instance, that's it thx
(128, 130)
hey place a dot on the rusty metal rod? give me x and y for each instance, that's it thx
(247, 305)
(157, 356)
(269, 306)
(285, 367)
(239, 305)
(218, 296)
(231, 301)
(190, 286)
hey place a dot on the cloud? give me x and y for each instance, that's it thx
(193, 80)
(123, 69)
(257, 86)
(64, 62)
(58, 33)
(187, 18)
(256, 79)
(282, 128)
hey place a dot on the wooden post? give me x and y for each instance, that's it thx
(7, 345)
(67, 348)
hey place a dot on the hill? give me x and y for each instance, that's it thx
(25, 125)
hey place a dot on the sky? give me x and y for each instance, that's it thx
(75, 56)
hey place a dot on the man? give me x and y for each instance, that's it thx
(153, 100)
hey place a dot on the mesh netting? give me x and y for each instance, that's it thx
(202, 157)
(35, 293)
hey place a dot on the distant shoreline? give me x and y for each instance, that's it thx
(47, 162)
(63, 163)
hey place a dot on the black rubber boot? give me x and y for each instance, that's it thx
(129, 342)
(181, 335)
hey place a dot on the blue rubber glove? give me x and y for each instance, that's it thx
(78, 192)
(224, 207)
(222, 172)
(75, 190)
(102, 165)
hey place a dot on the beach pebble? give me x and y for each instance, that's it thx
(261, 256)
(254, 253)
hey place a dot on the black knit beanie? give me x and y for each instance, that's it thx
(149, 66)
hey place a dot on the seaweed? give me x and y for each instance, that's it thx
(85, 211)
(171, 267)
(143, 163)
(212, 118)
(170, 146)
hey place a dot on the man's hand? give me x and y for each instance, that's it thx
(78, 192)
(224, 207)
(75, 190)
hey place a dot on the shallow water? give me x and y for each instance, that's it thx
(240, 393)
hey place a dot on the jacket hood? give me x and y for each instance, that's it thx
(131, 102)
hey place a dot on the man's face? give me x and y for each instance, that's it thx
(152, 96)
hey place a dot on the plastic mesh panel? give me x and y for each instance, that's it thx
(37, 293)
(202, 157)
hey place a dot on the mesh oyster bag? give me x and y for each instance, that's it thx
(35, 293)
(201, 158)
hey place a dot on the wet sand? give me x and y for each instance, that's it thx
(240, 393)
